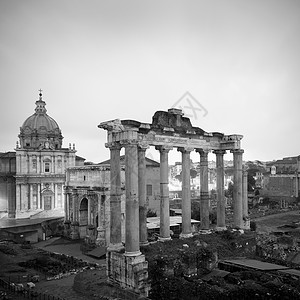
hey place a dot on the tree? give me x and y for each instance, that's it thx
(229, 191)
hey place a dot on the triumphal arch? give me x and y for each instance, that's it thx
(168, 131)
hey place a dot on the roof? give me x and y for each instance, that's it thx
(149, 162)
(79, 158)
(10, 154)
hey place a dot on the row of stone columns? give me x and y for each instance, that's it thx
(136, 210)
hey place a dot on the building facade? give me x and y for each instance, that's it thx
(8, 184)
(281, 181)
(87, 199)
(40, 163)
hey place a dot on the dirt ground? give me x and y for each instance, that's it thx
(271, 223)
(92, 283)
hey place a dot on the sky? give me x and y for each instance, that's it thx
(101, 60)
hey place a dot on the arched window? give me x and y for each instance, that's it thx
(47, 167)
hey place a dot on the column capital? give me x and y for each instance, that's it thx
(164, 148)
(113, 146)
(202, 152)
(219, 152)
(142, 146)
(237, 151)
(186, 149)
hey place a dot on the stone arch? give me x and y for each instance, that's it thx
(83, 211)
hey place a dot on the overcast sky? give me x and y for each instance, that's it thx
(102, 60)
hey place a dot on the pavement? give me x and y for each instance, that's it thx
(71, 248)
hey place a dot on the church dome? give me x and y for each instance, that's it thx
(40, 130)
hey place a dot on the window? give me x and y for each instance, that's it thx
(47, 167)
(34, 164)
(149, 189)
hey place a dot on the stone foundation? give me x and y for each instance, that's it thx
(74, 231)
(130, 272)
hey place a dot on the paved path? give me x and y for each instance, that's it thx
(71, 249)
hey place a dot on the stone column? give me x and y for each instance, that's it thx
(132, 247)
(164, 194)
(142, 195)
(115, 198)
(186, 193)
(220, 189)
(66, 204)
(238, 188)
(204, 195)
(246, 219)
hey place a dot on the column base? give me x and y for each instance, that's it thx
(164, 239)
(205, 231)
(134, 253)
(246, 223)
(185, 235)
(146, 243)
(221, 228)
(115, 247)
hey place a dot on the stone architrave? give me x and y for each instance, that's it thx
(115, 198)
(204, 196)
(186, 192)
(238, 188)
(132, 246)
(220, 189)
(142, 195)
(164, 234)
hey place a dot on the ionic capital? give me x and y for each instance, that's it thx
(113, 146)
(185, 149)
(219, 152)
(237, 151)
(203, 152)
(142, 146)
(164, 148)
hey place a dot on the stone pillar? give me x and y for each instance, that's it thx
(39, 204)
(89, 210)
(164, 194)
(11, 190)
(132, 246)
(246, 219)
(238, 188)
(186, 193)
(220, 189)
(204, 196)
(75, 223)
(296, 185)
(101, 236)
(65, 207)
(115, 198)
(142, 195)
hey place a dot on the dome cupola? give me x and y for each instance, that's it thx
(40, 131)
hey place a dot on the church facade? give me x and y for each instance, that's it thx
(40, 165)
